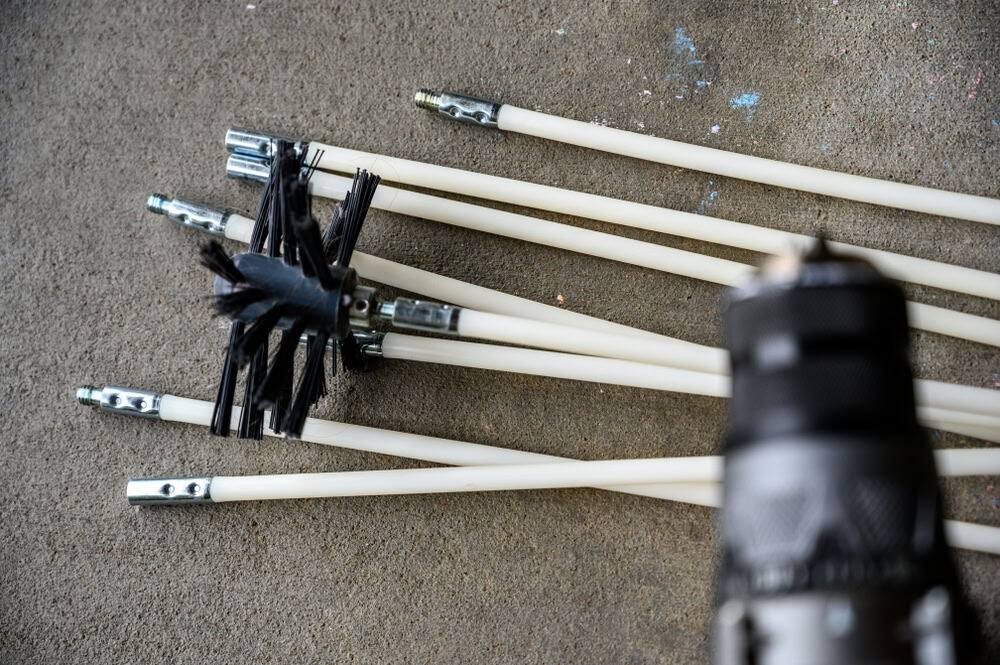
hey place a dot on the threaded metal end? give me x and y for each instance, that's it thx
(157, 203)
(427, 99)
(89, 395)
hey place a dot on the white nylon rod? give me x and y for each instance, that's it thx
(976, 425)
(540, 231)
(969, 536)
(957, 397)
(620, 372)
(638, 215)
(543, 475)
(568, 339)
(617, 248)
(552, 364)
(425, 448)
(746, 167)
(525, 332)
(197, 412)
(938, 394)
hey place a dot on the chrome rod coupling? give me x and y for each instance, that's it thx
(169, 491)
(246, 167)
(199, 216)
(257, 144)
(422, 315)
(459, 107)
(125, 401)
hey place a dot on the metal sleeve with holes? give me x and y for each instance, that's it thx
(116, 399)
(169, 491)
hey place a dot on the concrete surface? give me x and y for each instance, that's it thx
(103, 104)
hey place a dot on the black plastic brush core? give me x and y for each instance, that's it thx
(301, 298)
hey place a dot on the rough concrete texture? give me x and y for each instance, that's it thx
(103, 104)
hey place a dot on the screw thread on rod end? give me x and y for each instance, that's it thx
(157, 203)
(89, 395)
(427, 99)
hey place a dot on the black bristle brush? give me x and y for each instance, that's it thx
(298, 292)
(266, 225)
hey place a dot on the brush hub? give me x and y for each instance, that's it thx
(305, 297)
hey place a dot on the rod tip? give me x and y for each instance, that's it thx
(89, 395)
(427, 99)
(157, 203)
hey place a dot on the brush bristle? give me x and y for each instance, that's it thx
(311, 250)
(252, 415)
(232, 303)
(285, 227)
(309, 389)
(331, 237)
(356, 209)
(213, 256)
(222, 415)
(275, 391)
(256, 335)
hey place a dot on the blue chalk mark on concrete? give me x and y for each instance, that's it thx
(824, 147)
(707, 202)
(682, 42)
(690, 69)
(746, 101)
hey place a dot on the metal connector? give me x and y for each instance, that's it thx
(370, 342)
(421, 315)
(258, 144)
(361, 306)
(199, 216)
(169, 491)
(245, 167)
(459, 107)
(124, 401)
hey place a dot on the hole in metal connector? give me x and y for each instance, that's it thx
(193, 488)
(167, 489)
(453, 111)
(141, 404)
(361, 306)
(114, 400)
(481, 118)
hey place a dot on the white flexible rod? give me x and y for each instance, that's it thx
(457, 292)
(711, 160)
(627, 373)
(444, 451)
(447, 451)
(938, 394)
(566, 474)
(652, 218)
(616, 248)
(543, 475)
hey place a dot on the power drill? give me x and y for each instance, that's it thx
(833, 547)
